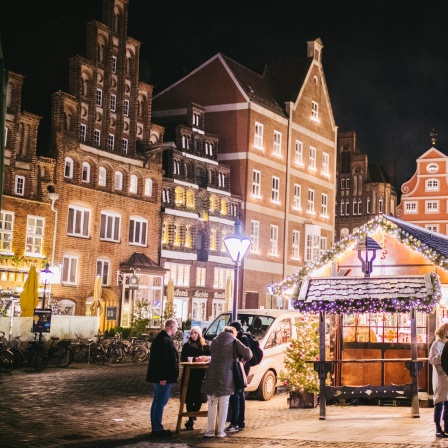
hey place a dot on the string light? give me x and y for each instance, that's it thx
(288, 288)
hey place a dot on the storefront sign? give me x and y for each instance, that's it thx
(219, 295)
(181, 293)
(201, 294)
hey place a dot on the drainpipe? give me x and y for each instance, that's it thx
(54, 197)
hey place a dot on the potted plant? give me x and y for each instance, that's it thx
(300, 376)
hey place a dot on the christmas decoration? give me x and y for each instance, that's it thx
(300, 375)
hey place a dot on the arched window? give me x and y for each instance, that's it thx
(380, 205)
(102, 176)
(148, 187)
(164, 233)
(133, 185)
(85, 172)
(166, 195)
(191, 202)
(368, 206)
(180, 196)
(342, 207)
(176, 167)
(68, 168)
(118, 180)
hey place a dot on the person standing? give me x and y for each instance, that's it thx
(439, 381)
(197, 348)
(163, 371)
(237, 402)
(219, 383)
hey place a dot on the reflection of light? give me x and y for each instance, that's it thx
(157, 303)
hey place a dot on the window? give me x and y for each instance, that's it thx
(110, 227)
(256, 184)
(114, 64)
(360, 207)
(255, 236)
(176, 167)
(118, 180)
(124, 145)
(313, 158)
(310, 201)
(325, 164)
(103, 270)
(258, 138)
(138, 231)
(297, 202)
(368, 206)
(277, 144)
(102, 176)
(85, 172)
(355, 207)
(195, 119)
(221, 180)
(166, 195)
(220, 277)
(111, 142)
(432, 185)
(133, 185)
(34, 235)
(312, 239)
(200, 276)
(97, 137)
(82, 132)
(298, 154)
(68, 168)
(185, 142)
(99, 97)
(126, 108)
(19, 185)
(432, 206)
(179, 273)
(347, 208)
(344, 233)
(275, 194)
(295, 255)
(148, 187)
(342, 207)
(343, 183)
(411, 207)
(78, 221)
(323, 245)
(113, 102)
(314, 111)
(6, 231)
(380, 205)
(69, 269)
(432, 227)
(324, 206)
(273, 246)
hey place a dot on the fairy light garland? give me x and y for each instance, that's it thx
(283, 289)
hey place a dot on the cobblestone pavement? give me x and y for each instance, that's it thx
(91, 406)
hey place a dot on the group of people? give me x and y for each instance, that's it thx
(215, 386)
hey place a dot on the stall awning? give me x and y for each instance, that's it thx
(367, 294)
(143, 263)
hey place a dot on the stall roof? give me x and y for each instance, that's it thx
(432, 245)
(143, 263)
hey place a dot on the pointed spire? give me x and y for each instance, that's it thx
(433, 136)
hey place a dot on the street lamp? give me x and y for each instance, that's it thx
(237, 245)
(45, 277)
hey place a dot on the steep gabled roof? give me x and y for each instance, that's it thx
(432, 245)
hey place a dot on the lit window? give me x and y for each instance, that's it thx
(200, 276)
(298, 154)
(69, 270)
(255, 236)
(133, 184)
(411, 207)
(102, 176)
(325, 164)
(273, 246)
(324, 206)
(256, 183)
(432, 185)
(295, 255)
(110, 227)
(312, 158)
(148, 187)
(258, 137)
(277, 144)
(310, 201)
(179, 273)
(220, 277)
(432, 206)
(297, 201)
(34, 235)
(6, 230)
(314, 111)
(118, 180)
(312, 241)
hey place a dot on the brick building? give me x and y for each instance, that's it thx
(423, 199)
(363, 189)
(278, 136)
(198, 212)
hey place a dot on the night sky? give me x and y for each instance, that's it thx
(385, 61)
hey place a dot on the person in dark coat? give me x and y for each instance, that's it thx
(219, 383)
(163, 371)
(237, 402)
(197, 348)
